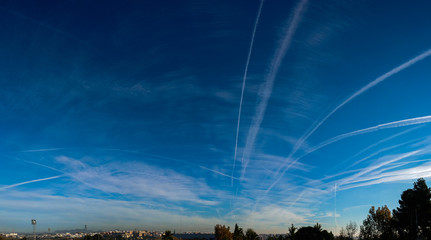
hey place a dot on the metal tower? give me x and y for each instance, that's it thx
(33, 222)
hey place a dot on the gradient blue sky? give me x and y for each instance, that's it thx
(124, 115)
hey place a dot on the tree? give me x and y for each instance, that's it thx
(318, 226)
(167, 235)
(413, 217)
(342, 235)
(250, 234)
(238, 233)
(222, 232)
(313, 233)
(351, 229)
(377, 225)
(291, 232)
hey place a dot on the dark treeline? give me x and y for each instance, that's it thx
(410, 221)
(313, 233)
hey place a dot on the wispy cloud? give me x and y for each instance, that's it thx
(266, 90)
(139, 180)
(243, 85)
(70, 212)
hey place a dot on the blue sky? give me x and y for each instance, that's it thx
(126, 115)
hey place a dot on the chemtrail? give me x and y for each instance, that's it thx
(396, 124)
(27, 182)
(357, 93)
(265, 92)
(243, 85)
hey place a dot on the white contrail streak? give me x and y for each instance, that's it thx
(354, 178)
(317, 124)
(27, 182)
(265, 93)
(243, 85)
(217, 172)
(357, 93)
(396, 124)
(335, 204)
(373, 145)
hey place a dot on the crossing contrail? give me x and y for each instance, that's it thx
(265, 92)
(396, 124)
(378, 80)
(27, 182)
(317, 124)
(243, 85)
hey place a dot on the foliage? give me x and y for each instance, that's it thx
(413, 217)
(222, 232)
(351, 229)
(93, 237)
(377, 225)
(250, 234)
(313, 233)
(348, 233)
(291, 232)
(167, 235)
(238, 233)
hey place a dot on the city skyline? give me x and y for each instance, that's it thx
(186, 114)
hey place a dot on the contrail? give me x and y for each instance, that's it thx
(335, 204)
(243, 85)
(357, 93)
(48, 27)
(265, 93)
(27, 182)
(396, 124)
(371, 146)
(217, 172)
(351, 179)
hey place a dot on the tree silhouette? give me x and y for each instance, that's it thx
(238, 233)
(313, 233)
(250, 234)
(413, 217)
(291, 232)
(167, 235)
